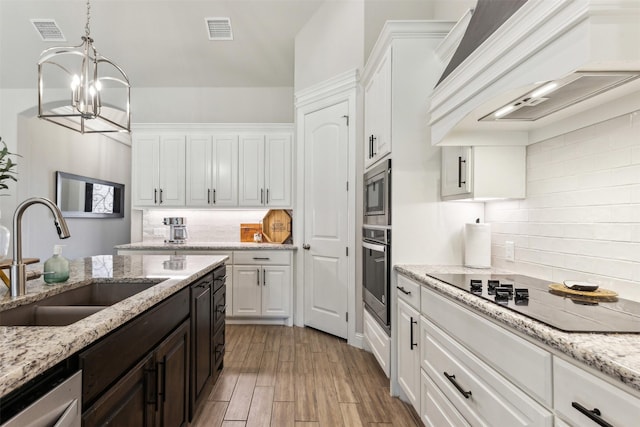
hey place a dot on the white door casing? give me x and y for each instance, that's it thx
(326, 210)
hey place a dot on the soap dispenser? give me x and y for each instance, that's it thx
(56, 268)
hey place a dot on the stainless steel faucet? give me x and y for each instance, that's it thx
(18, 267)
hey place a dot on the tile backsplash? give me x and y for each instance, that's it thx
(581, 217)
(202, 225)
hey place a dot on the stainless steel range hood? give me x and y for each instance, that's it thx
(550, 97)
(549, 63)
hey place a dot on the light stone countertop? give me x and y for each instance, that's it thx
(615, 355)
(26, 351)
(205, 246)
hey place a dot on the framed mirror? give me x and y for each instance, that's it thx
(81, 196)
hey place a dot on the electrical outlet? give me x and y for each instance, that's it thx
(158, 231)
(509, 251)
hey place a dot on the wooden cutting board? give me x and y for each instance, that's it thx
(598, 293)
(276, 226)
(248, 230)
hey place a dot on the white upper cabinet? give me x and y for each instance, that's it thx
(377, 111)
(265, 170)
(483, 173)
(214, 165)
(212, 170)
(158, 170)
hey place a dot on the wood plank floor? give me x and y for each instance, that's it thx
(283, 376)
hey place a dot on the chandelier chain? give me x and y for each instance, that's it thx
(86, 27)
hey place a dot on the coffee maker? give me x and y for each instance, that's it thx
(177, 229)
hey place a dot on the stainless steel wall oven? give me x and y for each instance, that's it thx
(377, 195)
(376, 267)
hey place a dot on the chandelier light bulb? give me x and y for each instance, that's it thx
(75, 82)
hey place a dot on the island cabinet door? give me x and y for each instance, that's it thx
(201, 331)
(172, 364)
(129, 403)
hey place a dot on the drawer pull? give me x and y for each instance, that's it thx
(594, 415)
(452, 379)
(413, 322)
(403, 290)
(263, 258)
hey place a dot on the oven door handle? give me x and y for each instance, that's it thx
(377, 248)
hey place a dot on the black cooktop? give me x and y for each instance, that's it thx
(531, 297)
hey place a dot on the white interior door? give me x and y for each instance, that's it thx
(326, 141)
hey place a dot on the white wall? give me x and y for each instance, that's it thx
(212, 105)
(581, 217)
(47, 148)
(330, 43)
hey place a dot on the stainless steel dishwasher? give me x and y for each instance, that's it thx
(60, 407)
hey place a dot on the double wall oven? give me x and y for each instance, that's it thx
(376, 244)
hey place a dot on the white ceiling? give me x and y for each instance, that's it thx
(162, 43)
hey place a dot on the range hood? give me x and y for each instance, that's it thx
(552, 66)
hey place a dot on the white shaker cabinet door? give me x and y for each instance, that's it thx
(172, 171)
(456, 171)
(247, 290)
(199, 170)
(145, 155)
(278, 170)
(224, 171)
(409, 352)
(251, 190)
(276, 282)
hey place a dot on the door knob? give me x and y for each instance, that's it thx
(306, 246)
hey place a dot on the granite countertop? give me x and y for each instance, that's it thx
(26, 351)
(615, 355)
(205, 246)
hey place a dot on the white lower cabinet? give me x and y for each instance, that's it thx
(473, 371)
(582, 399)
(480, 394)
(378, 341)
(435, 409)
(262, 284)
(409, 352)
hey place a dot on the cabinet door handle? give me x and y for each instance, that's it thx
(161, 196)
(413, 322)
(208, 196)
(267, 196)
(306, 246)
(373, 146)
(594, 415)
(452, 379)
(151, 387)
(214, 196)
(155, 196)
(264, 277)
(403, 290)
(460, 181)
(262, 195)
(223, 309)
(258, 277)
(163, 378)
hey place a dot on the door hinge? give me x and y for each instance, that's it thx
(347, 250)
(346, 316)
(346, 117)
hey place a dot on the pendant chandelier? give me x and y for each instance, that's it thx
(99, 89)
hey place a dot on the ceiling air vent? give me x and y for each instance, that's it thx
(48, 30)
(219, 28)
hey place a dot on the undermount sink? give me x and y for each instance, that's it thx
(68, 307)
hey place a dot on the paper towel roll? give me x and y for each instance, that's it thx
(477, 245)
